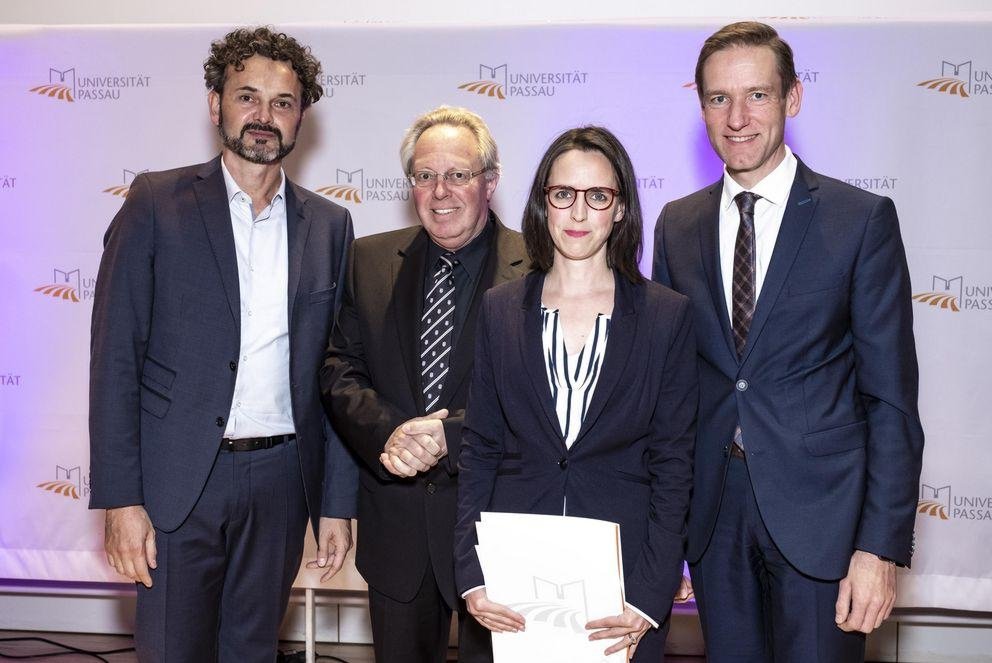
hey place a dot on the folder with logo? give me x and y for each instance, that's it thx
(559, 572)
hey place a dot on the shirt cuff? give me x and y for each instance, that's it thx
(653, 623)
(477, 587)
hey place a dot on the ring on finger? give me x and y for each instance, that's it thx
(632, 639)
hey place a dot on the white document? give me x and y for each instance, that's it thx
(559, 572)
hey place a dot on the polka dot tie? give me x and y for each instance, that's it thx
(436, 325)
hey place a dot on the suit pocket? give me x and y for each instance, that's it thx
(837, 440)
(636, 478)
(153, 402)
(320, 296)
(809, 286)
(156, 375)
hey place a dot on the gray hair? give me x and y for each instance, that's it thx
(455, 117)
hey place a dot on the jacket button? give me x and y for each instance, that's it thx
(233, 365)
(563, 463)
(741, 385)
(431, 488)
(220, 422)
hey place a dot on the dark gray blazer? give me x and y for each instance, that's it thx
(166, 339)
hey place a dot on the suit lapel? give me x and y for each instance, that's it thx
(297, 234)
(798, 214)
(532, 351)
(623, 327)
(709, 245)
(407, 288)
(502, 264)
(215, 213)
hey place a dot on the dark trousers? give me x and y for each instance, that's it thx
(416, 631)
(754, 606)
(224, 576)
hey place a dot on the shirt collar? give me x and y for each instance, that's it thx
(774, 188)
(233, 189)
(472, 256)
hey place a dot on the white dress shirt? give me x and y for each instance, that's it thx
(262, 404)
(768, 212)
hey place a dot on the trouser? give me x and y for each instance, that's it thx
(224, 576)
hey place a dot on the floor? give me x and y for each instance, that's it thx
(108, 643)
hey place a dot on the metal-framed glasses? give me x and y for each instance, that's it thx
(563, 197)
(454, 177)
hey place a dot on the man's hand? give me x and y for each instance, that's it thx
(333, 544)
(416, 445)
(129, 540)
(867, 593)
(494, 616)
(629, 626)
(685, 591)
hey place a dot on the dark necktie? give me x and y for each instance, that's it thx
(743, 293)
(436, 327)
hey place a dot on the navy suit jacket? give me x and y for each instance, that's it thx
(826, 389)
(166, 336)
(632, 460)
(371, 384)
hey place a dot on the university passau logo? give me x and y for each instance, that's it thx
(934, 502)
(954, 79)
(961, 79)
(491, 82)
(69, 86)
(68, 285)
(943, 294)
(69, 482)
(939, 502)
(349, 186)
(65, 285)
(61, 85)
(500, 83)
(122, 189)
(354, 186)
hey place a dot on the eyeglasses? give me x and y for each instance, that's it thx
(563, 197)
(454, 177)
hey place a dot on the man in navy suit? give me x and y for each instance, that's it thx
(209, 445)
(809, 445)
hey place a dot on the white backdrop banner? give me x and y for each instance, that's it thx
(903, 109)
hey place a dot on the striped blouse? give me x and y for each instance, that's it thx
(572, 378)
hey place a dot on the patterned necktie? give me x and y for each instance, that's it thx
(436, 327)
(743, 294)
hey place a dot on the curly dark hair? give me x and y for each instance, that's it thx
(241, 44)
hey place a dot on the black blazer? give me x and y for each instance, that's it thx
(632, 460)
(371, 384)
(826, 389)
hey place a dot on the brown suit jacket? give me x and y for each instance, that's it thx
(370, 382)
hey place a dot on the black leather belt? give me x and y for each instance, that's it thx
(254, 443)
(736, 451)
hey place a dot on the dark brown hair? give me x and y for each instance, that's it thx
(748, 33)
(241, 44)
(623, 248)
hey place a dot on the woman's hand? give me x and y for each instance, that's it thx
(494, 616)
(628, 626)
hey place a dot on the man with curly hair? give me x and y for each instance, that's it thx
(209, 445)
